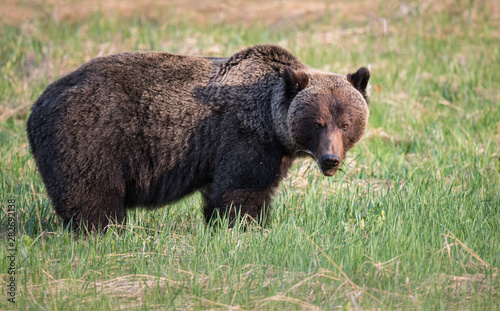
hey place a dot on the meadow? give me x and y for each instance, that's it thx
(411, 222)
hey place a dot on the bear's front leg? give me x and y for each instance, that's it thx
(244, 182)
(240, 202)
(243, 202)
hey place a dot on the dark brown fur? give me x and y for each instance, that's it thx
(146, 129)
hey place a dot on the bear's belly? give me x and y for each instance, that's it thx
(168, 188)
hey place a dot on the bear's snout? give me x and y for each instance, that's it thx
(330, 162)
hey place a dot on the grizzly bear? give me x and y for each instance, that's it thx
(144, 129)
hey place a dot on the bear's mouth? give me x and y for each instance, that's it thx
(329, 172)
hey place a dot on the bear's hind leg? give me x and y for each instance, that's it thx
(97, 217)
(92, 207)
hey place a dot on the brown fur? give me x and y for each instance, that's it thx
(146, 129)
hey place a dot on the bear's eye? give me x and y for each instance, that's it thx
(345, 126)
(318, 126)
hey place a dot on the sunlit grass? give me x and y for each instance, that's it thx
(412, 221)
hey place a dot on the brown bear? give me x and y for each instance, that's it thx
(148, 128)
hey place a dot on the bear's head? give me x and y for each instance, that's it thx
(326, 114)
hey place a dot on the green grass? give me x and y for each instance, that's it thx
(413, 221)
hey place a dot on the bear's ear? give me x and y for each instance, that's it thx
(294, 81)
(359, 80)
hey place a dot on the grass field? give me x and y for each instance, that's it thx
(412, 222)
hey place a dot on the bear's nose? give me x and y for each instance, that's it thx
(330, 161)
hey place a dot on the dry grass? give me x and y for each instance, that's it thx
(132, 290)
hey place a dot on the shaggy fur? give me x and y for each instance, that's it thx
(146, 129)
